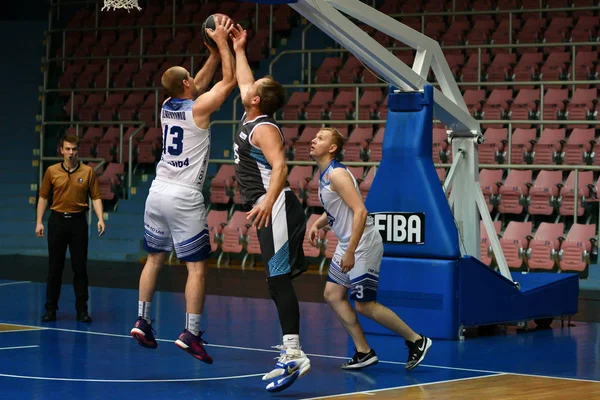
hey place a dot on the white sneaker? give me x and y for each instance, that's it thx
(291, 365)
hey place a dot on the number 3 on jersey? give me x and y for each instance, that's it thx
(175, 147)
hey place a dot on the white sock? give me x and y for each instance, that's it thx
(291, 341)
(144, 310)
(192, 323)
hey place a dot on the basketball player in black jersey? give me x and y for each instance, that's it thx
(261, 173)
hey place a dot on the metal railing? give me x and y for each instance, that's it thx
(55, 9)
(510, 124)
(308, 71)
(507, 166)
(235, 122)
(192, 58)
(356, 86)
(547, 167)
(73, 91)
(453, 14)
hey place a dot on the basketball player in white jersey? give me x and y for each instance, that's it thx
(261, 173)
(356, 261)
(175, 215)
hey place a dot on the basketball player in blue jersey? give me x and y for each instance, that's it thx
(356, 261)
(175, 215)
(261, 173)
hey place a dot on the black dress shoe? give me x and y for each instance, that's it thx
(49, 315)
(83, 316)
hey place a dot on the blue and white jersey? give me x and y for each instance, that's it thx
(339, 215)
(186, 147)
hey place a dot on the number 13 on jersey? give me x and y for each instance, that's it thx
(173, 140)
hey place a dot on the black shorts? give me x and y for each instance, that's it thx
(281, 242)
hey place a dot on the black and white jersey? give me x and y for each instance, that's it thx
(253, 171)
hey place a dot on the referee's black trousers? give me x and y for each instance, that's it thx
(67, 231)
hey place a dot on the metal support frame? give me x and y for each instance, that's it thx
(449, 105)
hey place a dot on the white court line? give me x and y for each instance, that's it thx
(18, 347)
(44, 378)
(14, 283)
(372, 392)
(484, 371)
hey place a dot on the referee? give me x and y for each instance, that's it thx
(69, 183)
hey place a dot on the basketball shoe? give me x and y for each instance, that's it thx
(361, 360)
(143, 333)
(194, 345)
(291, 365)
(417, 351)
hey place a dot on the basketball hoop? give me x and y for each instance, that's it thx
(126, 4)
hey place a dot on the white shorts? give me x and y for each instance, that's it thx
(175, 216)
(363, 279)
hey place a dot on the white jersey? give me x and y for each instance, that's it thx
(339, 215)
(186, 147)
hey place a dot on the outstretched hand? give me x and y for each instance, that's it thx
(238, 37)
(221, 32)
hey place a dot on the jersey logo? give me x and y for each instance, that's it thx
(243, 136)
(330, 218)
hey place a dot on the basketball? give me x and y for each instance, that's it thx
(210, 24)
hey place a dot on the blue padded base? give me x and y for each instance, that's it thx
(437, 297)
(486, 297)
(422, 292)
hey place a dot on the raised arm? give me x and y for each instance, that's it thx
(242, 68)
(206, 74)
(212, 100)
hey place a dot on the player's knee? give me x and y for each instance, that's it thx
(332, 296)
(155, 260)
(278, 285)
(365, 308)
(196, 267)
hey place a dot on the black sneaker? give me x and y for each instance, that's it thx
(49, 315)
(361, 360)
(417, 351)
(83, 316)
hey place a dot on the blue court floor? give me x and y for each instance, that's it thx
(70, 360)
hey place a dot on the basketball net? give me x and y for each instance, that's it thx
(126, 4)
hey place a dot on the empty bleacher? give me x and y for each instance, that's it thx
(508, 99)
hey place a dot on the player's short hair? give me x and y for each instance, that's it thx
(336, 139)
(271, 94)
(69, 139)
(172, 81)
